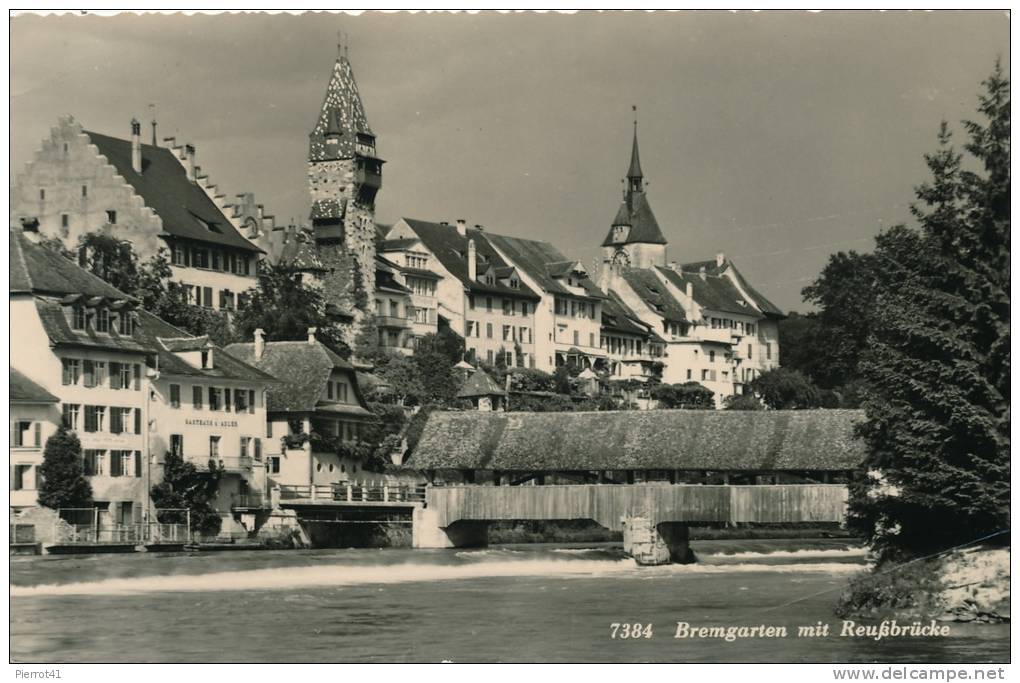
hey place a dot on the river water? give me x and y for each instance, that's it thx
(539, 603)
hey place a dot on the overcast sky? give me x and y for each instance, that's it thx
(776, 138)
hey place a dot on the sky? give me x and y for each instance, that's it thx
(776, 138)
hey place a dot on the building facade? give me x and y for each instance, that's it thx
(156, 197)
(34, 417)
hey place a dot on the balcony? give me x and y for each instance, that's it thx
(392, 321)
(236, 464)
(249, 501)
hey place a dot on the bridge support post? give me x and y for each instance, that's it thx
(426, 532)
(653, 544)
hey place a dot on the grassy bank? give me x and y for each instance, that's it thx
(586, 531)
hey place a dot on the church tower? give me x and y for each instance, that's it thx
(634, 239)
(344, 176)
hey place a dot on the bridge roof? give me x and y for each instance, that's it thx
(767, 440)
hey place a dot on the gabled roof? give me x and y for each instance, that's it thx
(343, 112)
(728, 440)
(716, 290)
(55, 323)
(450, 249)
(399, 244)
(167, 339)
(24, 390)
(535, 258)
(654, 293)
(40, 270)
(616, 316)
(303, 370)
(300, 253)
(479, 384)
(186, 210)
(637, 213)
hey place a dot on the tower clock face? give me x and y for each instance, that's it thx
(621, 258)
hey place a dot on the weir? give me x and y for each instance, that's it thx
(654, 518)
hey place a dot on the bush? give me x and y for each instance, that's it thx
(894, 588)
(63, 478)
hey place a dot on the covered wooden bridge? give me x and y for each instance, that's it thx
(650, 473)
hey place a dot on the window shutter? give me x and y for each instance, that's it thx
(138, 420)
(38, 434)
(138, 376)
(89, 373)
(115, 459)
(138, 464)
(115, 375)
(226, 399)
(14, 433)
(251, 400)
(258, 450)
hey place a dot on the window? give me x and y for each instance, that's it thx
(78, 317)
(89, 373)
(118, 418)
(341, 392)
(768, 351)
(126, 326)
(251, 401)
(196, 397)
(205, 356)
(226, 400)
(207, 297)
(274, 465)
(216, 263)
(329, 390)
(749, 349)
(577, 338)
(506, 332)
(524, 308)
(102, 320)
(20, 475)
(688, 373)
(84, 191)
(177, 256)
(508, 307)
(471, 301)
(269, 429)
(711, 356)
(71, 371)
(138, 377)
(100, 375)
(214, 398)
(704, 375)
(177, 445)
(240, 401)
(175, 395)
(257, 452)
(245, 441)
(111, 216)
(591, 339)
(65, 220)
(70, 416)
(488, 303)
(214, 447)
(25, 433)
(94, 462)
(94, 418)
(42, 195)
(488, 356)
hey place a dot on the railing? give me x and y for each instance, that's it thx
(249, 500)
(91, 534)
(355, 493)
(392, 321)
(231, 464)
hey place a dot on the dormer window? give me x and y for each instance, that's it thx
(206, 359)
(126, 327)
(78, 318)
(515, 283)
(102, 320)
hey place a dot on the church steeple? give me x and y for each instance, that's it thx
(634, 176)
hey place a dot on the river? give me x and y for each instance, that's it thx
(539, 603)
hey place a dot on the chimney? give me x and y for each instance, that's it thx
(479, 228)
(689, 304)
(260, 343)
(189, 161)
(720, 259)
(136, 145)
(462, 227)
(674, 266)
(701, 272)
(472, 261)
(311, 335)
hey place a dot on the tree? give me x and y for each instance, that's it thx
(111, 259)
(743, 402)
(786, 389)
(284, 307)
(561, 380)
(185, 487)
(401, 373)
(690, 395)
(937, 364)
(63, 477)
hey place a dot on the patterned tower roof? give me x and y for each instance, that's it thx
(342, 113)
(635, 211)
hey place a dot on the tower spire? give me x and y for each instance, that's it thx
(634, 175)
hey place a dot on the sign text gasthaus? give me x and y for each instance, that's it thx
(210, 423)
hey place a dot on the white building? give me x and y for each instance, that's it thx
(35, 415)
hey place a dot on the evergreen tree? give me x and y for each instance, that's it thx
(937, 362)
(63, 477)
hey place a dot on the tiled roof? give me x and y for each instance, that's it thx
(300, 253)
(328, 208)
(765, 440)
(398, 244)
(535, 258)
(303, 369)
(450, 249)
(715, 292)
(166, 339)
(654, 293)
(55, 323)
(35, 268)
(384, 280)
(184, 207)
(24, 390)
(421, 273)
(637, 213)
(616, 316)
(766, 306)
(342, 107)
(480, 384)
